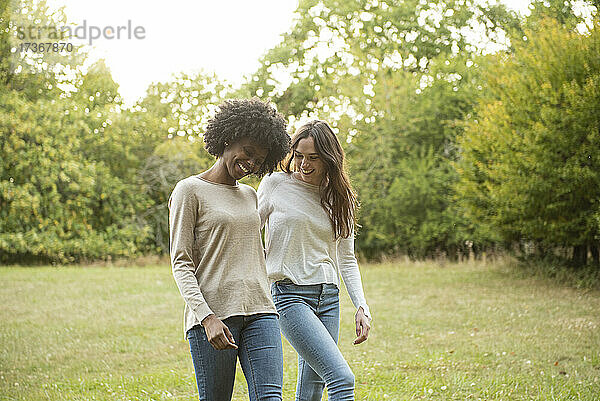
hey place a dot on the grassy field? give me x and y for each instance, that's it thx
(459, 332)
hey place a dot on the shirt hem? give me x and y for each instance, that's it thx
(223, 317)
(301, 282)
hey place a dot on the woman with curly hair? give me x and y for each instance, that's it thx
(309, 212)
(217, 256)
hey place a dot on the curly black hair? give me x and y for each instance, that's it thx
(250, 118)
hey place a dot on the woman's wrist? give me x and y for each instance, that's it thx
(365, 311)
(207, 319)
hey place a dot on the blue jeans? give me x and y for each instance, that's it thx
(310, 320)
(259, 349)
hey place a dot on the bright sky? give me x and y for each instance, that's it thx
(225, 36)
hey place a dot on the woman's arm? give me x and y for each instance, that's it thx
(265, 206)
(351, 276)
(351, 273)
(183, 209)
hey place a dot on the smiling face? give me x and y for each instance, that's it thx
(243, 157)
(307, 161)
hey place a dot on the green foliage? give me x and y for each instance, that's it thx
(401, 165)
(335, 47)
(529, 158)
(81, 176)
(94, 177)
(5, 44)
(185, 103)
(418, 205)
(568, 13)
(57, 205)
(34, 74)
(170, 162)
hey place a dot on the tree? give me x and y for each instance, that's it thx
(334, 45)
(66, 188)
(171, 161)
(568, 13)
(401, 163)
(35, 74)
(56, 204)
(392, 78)
(529, 166)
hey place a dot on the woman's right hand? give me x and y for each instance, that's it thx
(362, 326)
(217, 333)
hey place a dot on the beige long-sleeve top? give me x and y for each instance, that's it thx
(216, 252)
(299, 238)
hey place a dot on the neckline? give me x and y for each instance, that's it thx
(236, 186)
(307, 184)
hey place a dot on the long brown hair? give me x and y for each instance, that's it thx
(337, 196)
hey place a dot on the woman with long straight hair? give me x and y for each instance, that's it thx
(309, 211)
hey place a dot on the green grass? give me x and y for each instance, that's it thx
(459, 332)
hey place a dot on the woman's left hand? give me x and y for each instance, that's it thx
(362, 326)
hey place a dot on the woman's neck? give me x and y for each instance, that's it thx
(218, 173)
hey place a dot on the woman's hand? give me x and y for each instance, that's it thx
(362, 326)
(217, 333)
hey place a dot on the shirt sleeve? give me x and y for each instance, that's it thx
(183, 210)
(351, 273)
(265, 207)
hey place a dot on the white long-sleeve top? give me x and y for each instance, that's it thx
(299, 238)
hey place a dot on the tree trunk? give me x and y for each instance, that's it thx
(579, 258)
(542, 250)
(595, 254)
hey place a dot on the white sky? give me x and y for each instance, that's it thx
(226, 36)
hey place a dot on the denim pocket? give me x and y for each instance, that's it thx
(274, 290)
(193, 332)
(286, 284)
